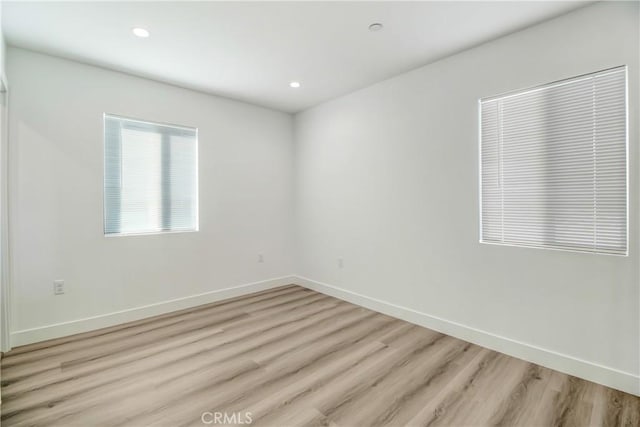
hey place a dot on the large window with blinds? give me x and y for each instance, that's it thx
(553, 165)
(150, 177)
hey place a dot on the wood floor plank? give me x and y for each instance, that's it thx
(291, 375)
(449, 393)
(525, 398)
(329, 395)
(241, 329)
(290, 357)
(203, 352)
(191, 408)
(84, 338)
(239, 307)
(385, 397)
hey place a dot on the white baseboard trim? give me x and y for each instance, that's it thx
(600, 374)
(29, 336)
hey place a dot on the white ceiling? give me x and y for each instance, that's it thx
(252, 50)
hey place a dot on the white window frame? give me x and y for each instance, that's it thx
(104, 163)
(626, 142)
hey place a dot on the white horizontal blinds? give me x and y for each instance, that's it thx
(554, 165)
(183, 183)
(611, 162)
(491, 174)
(141, 171)
(150, 177)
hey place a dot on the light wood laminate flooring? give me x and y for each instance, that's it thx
(290, 357)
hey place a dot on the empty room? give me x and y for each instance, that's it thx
(320, 213)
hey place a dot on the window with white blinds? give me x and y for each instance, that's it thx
(150, 177)
(553, 165)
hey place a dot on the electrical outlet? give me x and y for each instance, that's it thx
(340, 263)
(58, 287)
(260, 258)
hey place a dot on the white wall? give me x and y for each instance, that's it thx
(3, 46)
(4, 271)
(56, 173)
(387, 178)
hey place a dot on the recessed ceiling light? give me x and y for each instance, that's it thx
(294, 84)
(140, 32)
(376, 26)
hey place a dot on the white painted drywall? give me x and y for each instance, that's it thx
(387, 179)
(3, 46)
(5, 297)
(56, 151)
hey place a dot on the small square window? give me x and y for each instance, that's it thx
(553, 165)
(150, 177)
